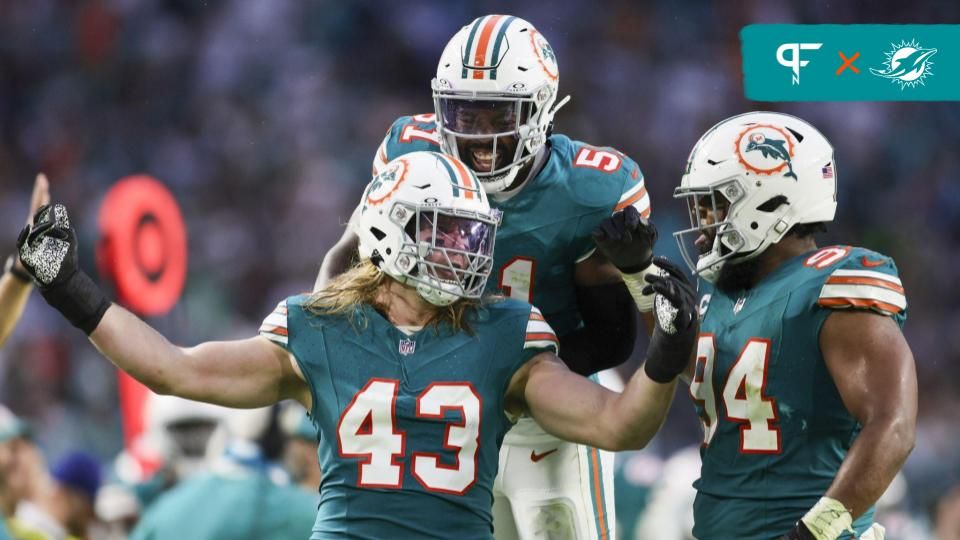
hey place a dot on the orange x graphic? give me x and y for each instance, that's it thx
(848, 62)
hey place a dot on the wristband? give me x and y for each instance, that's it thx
(635, 284)
(79, 300)
(828, 519)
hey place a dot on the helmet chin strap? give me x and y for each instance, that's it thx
(515, 185)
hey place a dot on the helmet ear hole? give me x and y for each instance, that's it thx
(378, 234)
(773, 203)
(753, 225)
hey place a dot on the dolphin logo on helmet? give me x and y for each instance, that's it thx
(772, 148)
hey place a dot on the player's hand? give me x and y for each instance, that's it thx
(675, 322)
(48, 246)
(626, 239)
(798, 532)
(48, 250)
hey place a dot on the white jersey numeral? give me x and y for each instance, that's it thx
(516, 279)
(464, 437)
(597, 159)
(743, 395)
(368, 430)
(745, 403)
(412, 132)
(701, 386)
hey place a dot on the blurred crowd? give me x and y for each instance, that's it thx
(263, 118)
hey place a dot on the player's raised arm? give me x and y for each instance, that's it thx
(340, 257)
(576, 409)
(15, 282)
(248, 373)
(344, 253)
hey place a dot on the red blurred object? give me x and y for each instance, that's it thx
(143, 251)
(143, 245)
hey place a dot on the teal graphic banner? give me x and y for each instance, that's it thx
(851, 62)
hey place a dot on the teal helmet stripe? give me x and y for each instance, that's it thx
(496, 47)
(454, 181)
(466, 51)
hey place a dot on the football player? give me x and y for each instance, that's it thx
(495, 96)
(409, 374)
(803, 380)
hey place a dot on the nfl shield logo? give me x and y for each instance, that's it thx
(407, 346)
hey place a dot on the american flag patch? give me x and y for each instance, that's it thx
(827, 171)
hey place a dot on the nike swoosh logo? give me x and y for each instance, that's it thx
(871, 263)
(535, 457)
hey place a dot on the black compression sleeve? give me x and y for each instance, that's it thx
(608, 333)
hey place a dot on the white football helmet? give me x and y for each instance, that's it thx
(425, 221)
(501, 67)
(768, 172)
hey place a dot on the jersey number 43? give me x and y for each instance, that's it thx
(368, 430)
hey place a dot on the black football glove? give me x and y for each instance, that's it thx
(626, 239)
(798, 532)
(675, 322)
(48, 250)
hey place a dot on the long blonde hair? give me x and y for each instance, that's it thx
(362, 283)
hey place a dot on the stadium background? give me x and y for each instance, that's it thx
(263, 117)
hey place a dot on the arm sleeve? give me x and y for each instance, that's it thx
(536, 336)
(539, 336)
(867, 282)
(609, 329)
(274, 327)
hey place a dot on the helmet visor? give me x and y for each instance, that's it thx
(482, 117)
(454, 249)
(484, 133)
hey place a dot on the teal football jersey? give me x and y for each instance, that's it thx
(546, 227)
(776, 429)
(410, 425)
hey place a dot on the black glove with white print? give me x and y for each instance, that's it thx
(675, 322)
(48, 250)
(626, 239)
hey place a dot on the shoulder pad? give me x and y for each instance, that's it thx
(407, 134)
(857, 278)
(602, 176)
